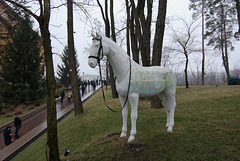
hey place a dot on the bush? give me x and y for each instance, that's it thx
(56, 95)
(37, 102)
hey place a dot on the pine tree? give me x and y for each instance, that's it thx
(20, 65)
(220, 18)
(63, 70)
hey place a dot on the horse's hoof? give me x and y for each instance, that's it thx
(130, 139)
(167, 125)
(169, 129)
(123, 135)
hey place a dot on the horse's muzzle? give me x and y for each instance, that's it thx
(92, 62)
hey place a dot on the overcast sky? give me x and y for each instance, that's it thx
(83, 39)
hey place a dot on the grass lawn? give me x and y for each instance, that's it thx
(206, 127)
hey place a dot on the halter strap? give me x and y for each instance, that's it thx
(100, 49)
(127, 90)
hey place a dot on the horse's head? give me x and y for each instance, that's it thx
(96, 51)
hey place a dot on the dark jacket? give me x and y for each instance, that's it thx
(17, 122)
(7, 136)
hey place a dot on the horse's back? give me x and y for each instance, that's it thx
(149, 81)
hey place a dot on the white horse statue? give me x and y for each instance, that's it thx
(145, 81)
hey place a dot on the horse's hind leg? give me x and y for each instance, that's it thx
(162, 96)
(124, 116)
(171, 103)
(168, 98)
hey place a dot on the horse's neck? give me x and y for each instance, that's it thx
(119, 62)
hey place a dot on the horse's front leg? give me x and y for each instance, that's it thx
(133, 98)
(124, 116)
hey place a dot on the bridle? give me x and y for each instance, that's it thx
(100, 49)
(98, 60)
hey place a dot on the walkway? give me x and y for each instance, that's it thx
(8, 152)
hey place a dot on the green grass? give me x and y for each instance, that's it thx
(207, 123)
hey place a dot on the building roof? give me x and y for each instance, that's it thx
(8, 16)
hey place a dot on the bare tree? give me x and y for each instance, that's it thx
(199, 8)
(143, 28)
(212, 78)
(196, 74)
(186, 42)
(52, 151)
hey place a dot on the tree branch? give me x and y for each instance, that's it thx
(101, 8)
(24, 8)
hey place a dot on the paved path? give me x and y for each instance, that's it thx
(33, 126)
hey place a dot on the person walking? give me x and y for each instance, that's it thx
(83, 89)
(7, 136)
(94, 85)
(62, 96)
(69, 96)
(18, 124)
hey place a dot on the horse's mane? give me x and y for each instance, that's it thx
(115, 45)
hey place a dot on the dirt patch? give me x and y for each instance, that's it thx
(112, 135)
(137, 148)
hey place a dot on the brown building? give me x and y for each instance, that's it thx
(8, 21)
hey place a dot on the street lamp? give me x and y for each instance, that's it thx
(67, 81)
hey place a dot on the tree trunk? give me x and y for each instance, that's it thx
(78, 108)
(113, 85)
(238, 13)
(52, 137)
(128, 27)
(225, 57)
(52, 151)
(134, 41)
(203, 47)
(159, 33)
(144, 30)
(157, 45)
(185, 70)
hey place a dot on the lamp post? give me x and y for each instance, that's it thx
(67, 81)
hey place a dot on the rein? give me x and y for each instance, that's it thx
(98, 59)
